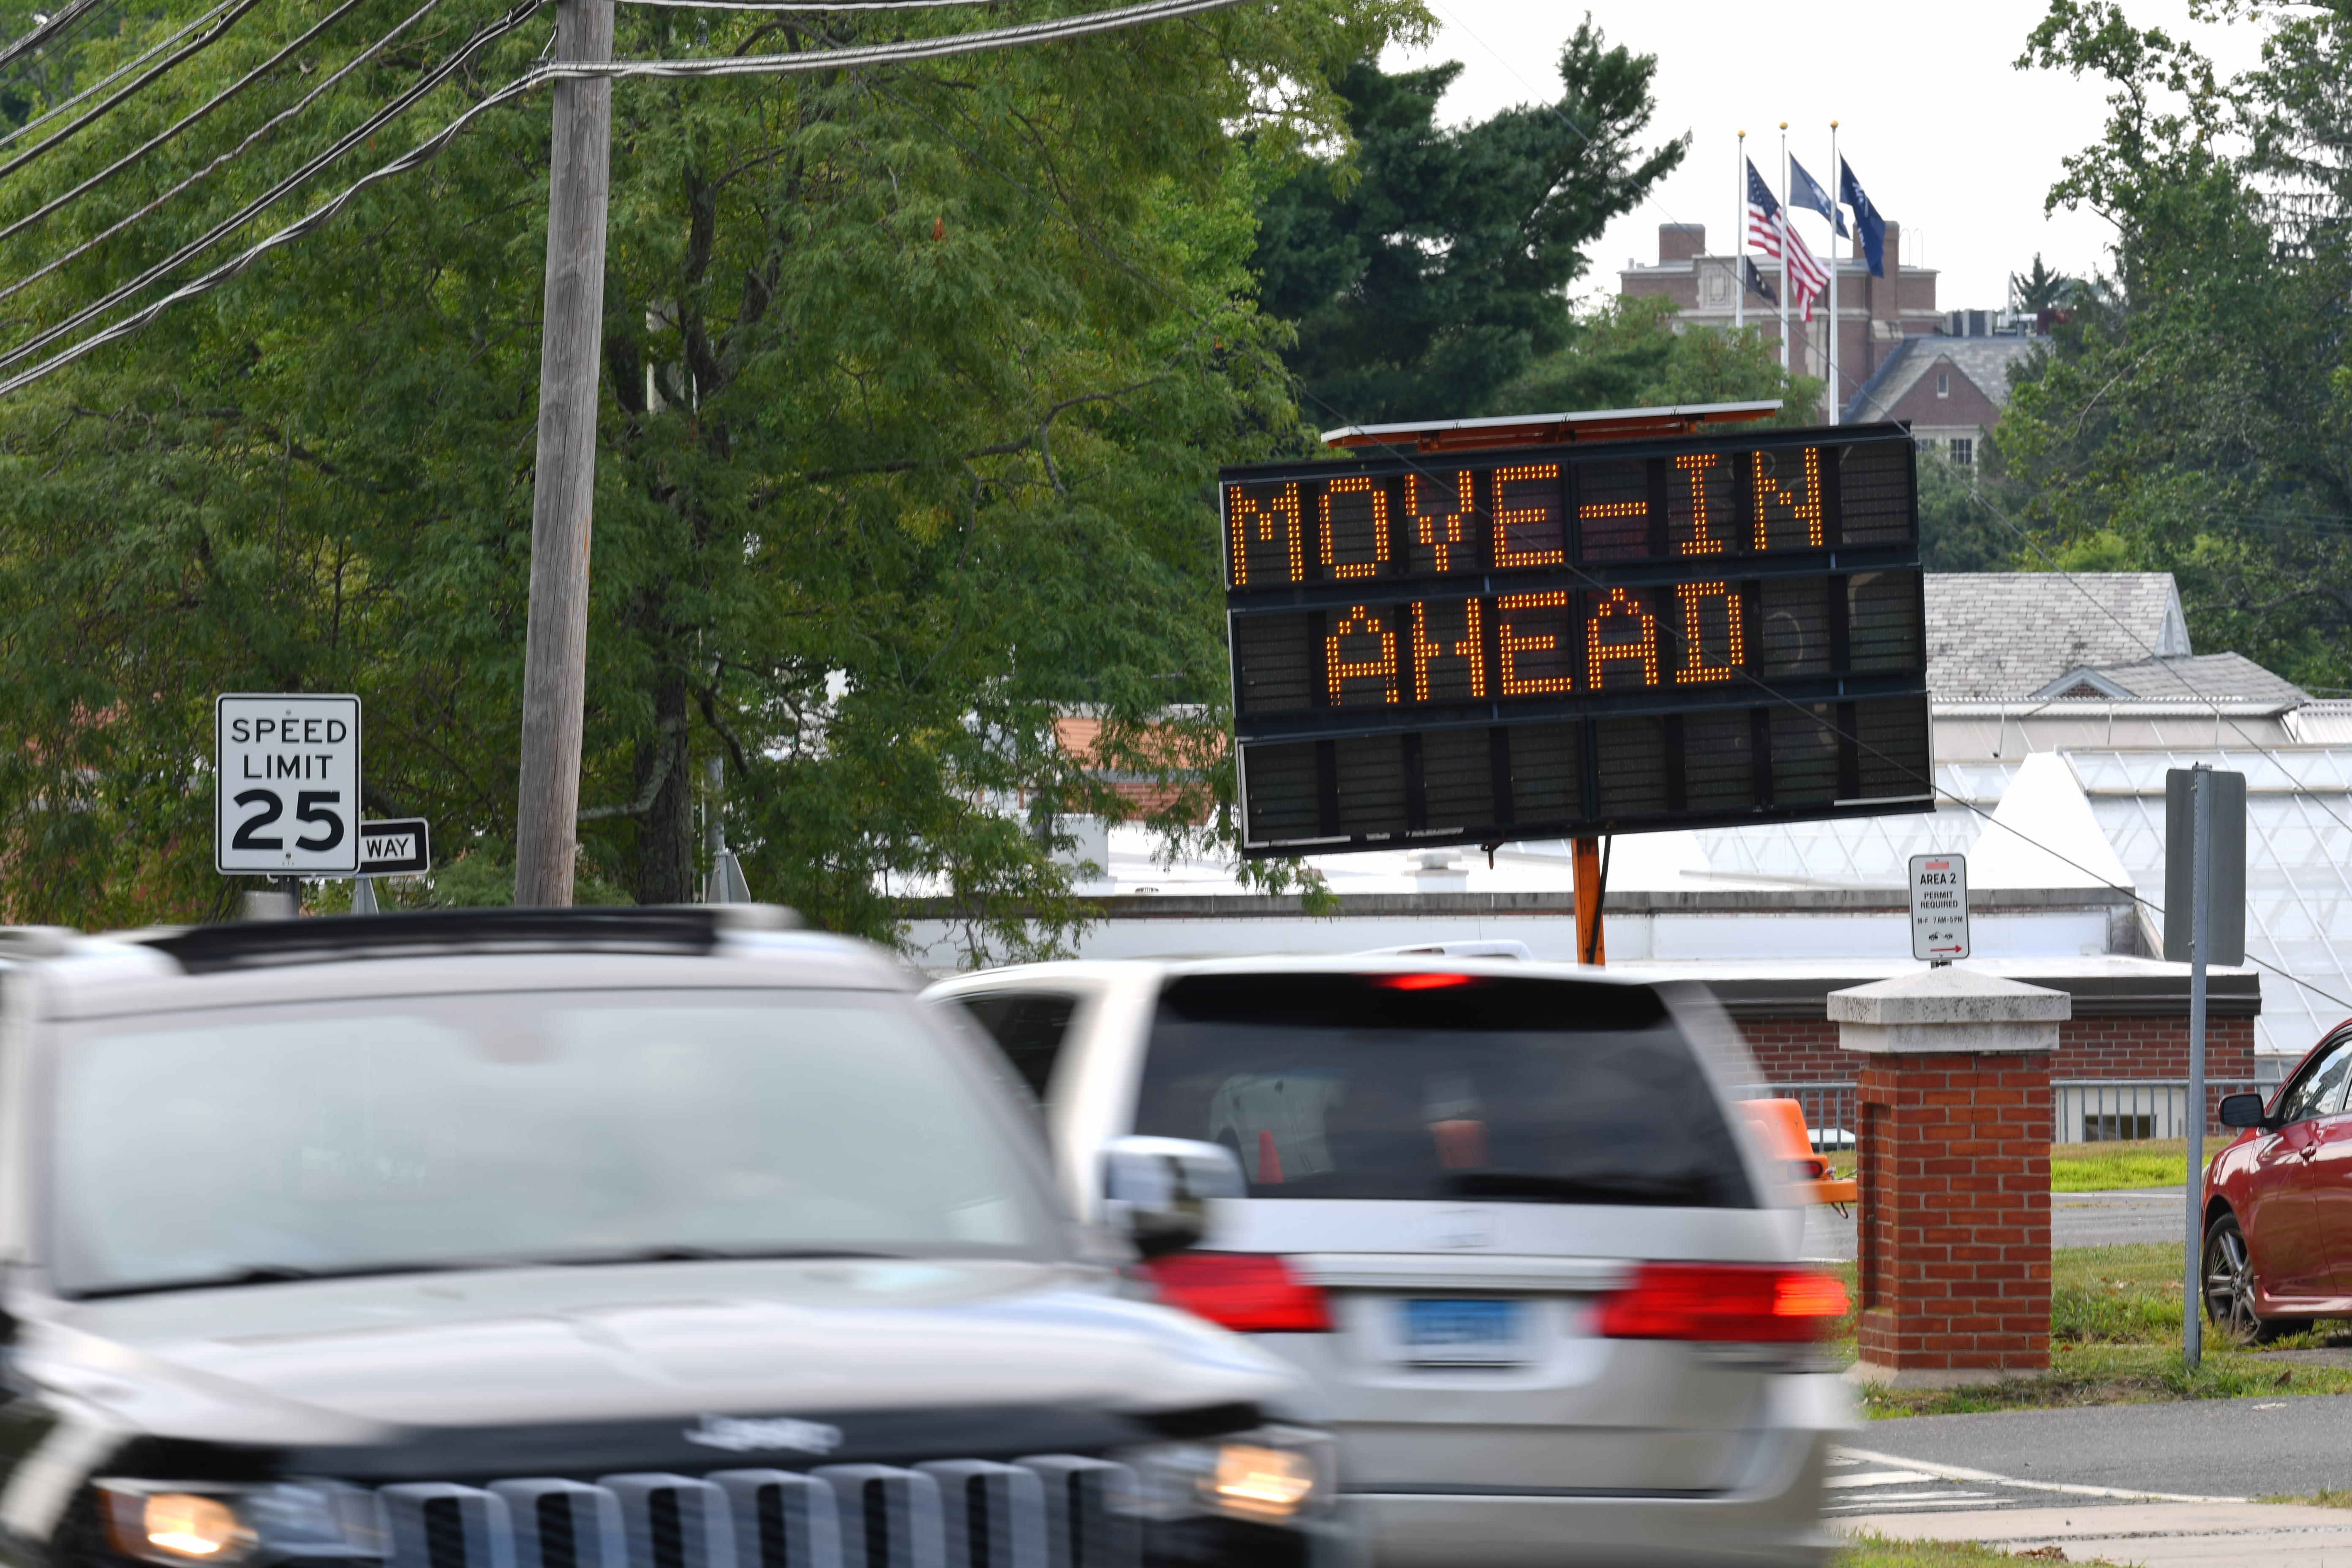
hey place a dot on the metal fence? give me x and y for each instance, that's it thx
(2109, 1111)
(2082, 1111)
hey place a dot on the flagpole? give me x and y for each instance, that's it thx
(1740, 238)
(1837, 387)
(1785, 232)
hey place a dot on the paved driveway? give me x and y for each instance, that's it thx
(2076, 1219)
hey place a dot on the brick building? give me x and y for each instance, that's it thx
(1875, 315)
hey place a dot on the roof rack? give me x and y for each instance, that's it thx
(686, 929)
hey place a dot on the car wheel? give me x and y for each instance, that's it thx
(2231, 1289)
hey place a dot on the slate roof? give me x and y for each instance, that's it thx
(2206, 677)
(2000, 637)
(1986, 362)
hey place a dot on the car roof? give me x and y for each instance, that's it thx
(1115, 970)
(436, 953)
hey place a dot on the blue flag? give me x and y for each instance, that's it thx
(1867, 222)
(1756, 282)
(1805, 192)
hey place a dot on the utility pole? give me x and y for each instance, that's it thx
(555, 646)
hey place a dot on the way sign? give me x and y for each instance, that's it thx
(389, 849)
(1939, 907)
(289, 785)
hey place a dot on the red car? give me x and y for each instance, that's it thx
(2278, 1202)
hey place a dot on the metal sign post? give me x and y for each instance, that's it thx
(2201, 787)
(1939, 908)
(2205, 881)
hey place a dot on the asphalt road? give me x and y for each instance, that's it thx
(2290, 1445)
(2076, 1219)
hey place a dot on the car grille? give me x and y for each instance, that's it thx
(1050, 1511)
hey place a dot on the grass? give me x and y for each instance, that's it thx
(2326, 1497)
(2115, 1338)
(2109, 1167)
(1878, 1552)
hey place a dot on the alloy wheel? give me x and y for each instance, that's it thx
(2230, 1282)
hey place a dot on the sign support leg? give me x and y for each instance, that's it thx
(364, 896)
(2201, 938)
(1592, 880)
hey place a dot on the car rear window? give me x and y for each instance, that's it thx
(1430, 1086)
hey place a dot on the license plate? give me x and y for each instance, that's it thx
(1454, 1332)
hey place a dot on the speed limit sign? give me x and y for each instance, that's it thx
(289, 801)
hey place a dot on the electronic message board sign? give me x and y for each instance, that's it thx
(1537, 642)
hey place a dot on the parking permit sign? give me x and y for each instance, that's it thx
(1939, 907)
(289, 785)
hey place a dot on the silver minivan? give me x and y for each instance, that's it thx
(1504, 1214)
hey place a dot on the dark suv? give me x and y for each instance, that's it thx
(576, 1239)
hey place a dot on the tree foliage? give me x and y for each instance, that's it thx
(1431, 268)
(915, 378)
(2195, 413)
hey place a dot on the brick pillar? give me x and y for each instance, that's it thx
(1954, 1100)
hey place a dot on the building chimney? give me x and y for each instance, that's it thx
(1884, 304)
(1681, 241)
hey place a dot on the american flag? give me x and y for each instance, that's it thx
(1766, 226)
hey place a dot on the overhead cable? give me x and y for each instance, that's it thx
(325, 84)
(799, 5)
(357, 135)
(110, 78)
(64, 17)
(225, 15)
(166, 134)
(553, 70)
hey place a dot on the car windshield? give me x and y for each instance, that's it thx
(559, 1127)
(1446, 1087)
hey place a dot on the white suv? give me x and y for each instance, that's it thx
(1499, 1211)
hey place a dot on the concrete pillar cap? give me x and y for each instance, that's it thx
(1949, 995)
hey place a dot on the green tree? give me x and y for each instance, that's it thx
(1630, 352)
(915, 380)
(1432, 270)
(2194, 416)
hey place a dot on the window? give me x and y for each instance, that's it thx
(2321, 1090)
(1943, 384)
(1505, 1091)
(385, 1134)
(1964, 450)
(1027, 1027)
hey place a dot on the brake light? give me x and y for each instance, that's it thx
(1249, 1292)
(1422, 982)
(1725, 1303)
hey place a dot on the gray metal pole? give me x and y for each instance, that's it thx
(555, 646)
(2201, 947)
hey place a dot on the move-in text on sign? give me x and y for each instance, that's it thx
(1589, 613)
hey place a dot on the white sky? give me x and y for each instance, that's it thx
(1948, 139)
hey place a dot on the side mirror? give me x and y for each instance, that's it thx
(1159, 1190)
(2240, 1110)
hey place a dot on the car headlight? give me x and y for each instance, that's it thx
(183, 1522)
(1274, 1475)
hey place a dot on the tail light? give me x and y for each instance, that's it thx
(1724, 1303)
(1250, 1292)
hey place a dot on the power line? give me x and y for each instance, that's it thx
(59, 21)
(94, 241)
(229, 156)
(795, 6)
(482, 37)
(224, 96)
(226, 16)
(1081, 25)
(117, 74)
